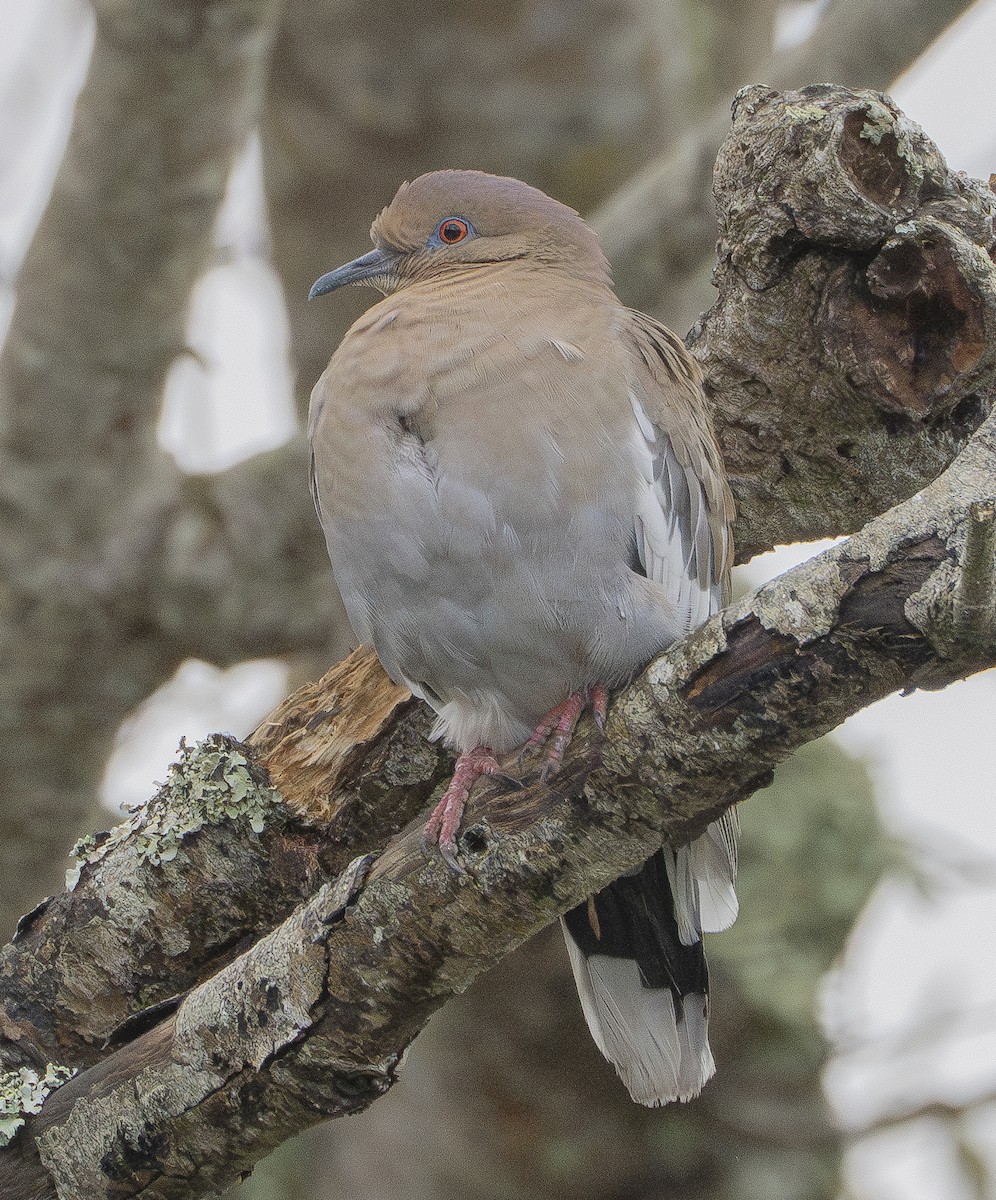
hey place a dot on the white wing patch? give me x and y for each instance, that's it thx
(673, 537)
(713, 865)
(675, 547)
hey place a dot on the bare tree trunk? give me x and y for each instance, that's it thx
(99, 317)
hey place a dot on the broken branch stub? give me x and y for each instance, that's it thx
(854, 221)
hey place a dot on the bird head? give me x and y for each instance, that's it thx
(449, 221)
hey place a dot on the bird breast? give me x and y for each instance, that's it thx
(477, 482)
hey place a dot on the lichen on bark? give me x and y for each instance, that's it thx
(210, 782)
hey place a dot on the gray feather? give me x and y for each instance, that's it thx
(658, 1056)
(713, 863)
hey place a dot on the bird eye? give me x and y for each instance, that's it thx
(453, 230)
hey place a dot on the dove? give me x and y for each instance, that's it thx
(524, 502)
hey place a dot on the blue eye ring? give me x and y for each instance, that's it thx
(453, 230)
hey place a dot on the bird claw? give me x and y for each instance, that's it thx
(448, 853)
(598, 698)
(515, 784)
(557, 727)
(559, 724)
(447, 847)
(444, 821)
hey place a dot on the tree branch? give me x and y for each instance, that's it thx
(287, 1033)
(658, 228)
(850, 352)
(702, 727)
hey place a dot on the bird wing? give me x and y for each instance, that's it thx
(636, 947)
(684, 514)
(684, 543)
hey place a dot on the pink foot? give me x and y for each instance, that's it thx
(444, 820)
(558, 726)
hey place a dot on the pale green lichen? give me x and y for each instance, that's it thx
(23, 1092)
(209, 783)
(805, 112)
(880, 123)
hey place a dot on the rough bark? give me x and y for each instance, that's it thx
(850, 351)
(907, 602)
(658, 228)
(69, 981)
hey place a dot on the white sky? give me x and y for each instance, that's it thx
(924, 951)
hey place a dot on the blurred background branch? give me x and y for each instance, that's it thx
(170, 97)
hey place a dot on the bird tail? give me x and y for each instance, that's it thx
(636, 951)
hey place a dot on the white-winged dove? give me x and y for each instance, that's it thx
(524, 502)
